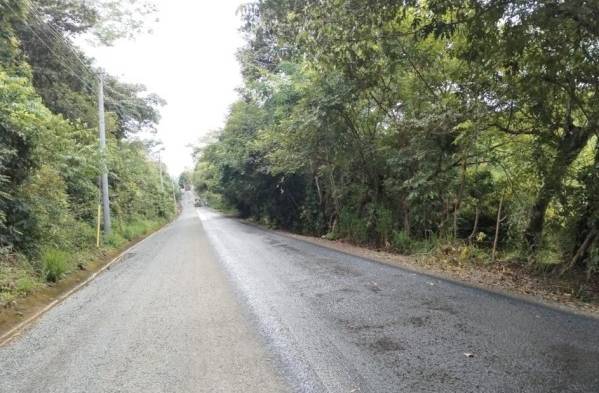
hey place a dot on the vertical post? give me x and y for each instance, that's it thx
(499, 219)
(160, 166)
(174, 197)
(104, 168)
(99, 219)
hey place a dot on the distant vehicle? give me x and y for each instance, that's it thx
(198, 202)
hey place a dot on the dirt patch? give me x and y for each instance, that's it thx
(561, 292)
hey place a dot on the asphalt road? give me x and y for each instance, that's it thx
(165, 319)
(212, 304)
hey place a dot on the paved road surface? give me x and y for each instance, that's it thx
(164, 320)
(218, 305)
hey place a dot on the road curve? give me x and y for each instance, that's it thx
(211, 304)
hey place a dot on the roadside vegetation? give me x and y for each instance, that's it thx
(465, 130)
(49, 160)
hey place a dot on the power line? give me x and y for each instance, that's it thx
(120, 99)
(101, 123)
(123, 98)
(58, 57)
(58, 35)
(66, 63)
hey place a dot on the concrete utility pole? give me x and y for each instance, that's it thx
(174, 196)
(160, 166)
(104, 168)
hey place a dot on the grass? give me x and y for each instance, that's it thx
(55, 264)
(17, 278)
(404, 244)
(25, 285)
(115, 240)
(20, 276)
(138, 228)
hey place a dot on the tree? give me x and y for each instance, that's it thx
(414, 120)
(48, 140)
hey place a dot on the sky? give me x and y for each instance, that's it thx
(189, 60)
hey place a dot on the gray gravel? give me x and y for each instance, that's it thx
(340, 323)
(163, 320)
(221, 306)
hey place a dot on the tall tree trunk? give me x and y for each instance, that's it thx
(407, 226)
(318, 189)
(475, 226)
(458, 202)
(334, 196)
(570, 146)
(496, 240)
(582, 250)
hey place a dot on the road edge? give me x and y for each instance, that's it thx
(439, 276)
(556, 306)
(17, 330)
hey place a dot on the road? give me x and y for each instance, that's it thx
(211, 304)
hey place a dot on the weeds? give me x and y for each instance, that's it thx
(136, 228)
(115, 240)
(25, 285)
(20, 276)
(17, 277)
(55, 263)
(402, 243)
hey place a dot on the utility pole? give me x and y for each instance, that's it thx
(160, 166)
(174, 196)
(104, 168)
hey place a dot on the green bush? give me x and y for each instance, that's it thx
(25, 285)
(428, 244)
(55, 264)
(115, 240)
(401, 242)
(384, 224)
(351, 226)
(136, 228)
(82, 235)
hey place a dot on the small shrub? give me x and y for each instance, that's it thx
(384, 225)
(471, 254)
(426, 245)
(135, 229)
(330, 236)
(215, 201)
(352, 227)
(344, 225)
(401, 242)
(6, 298)
(359, 231)
(81, 235)
(25, 285)
(55, 264)
(115, 240)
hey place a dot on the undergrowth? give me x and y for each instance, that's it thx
(21, 275)
(55, 264)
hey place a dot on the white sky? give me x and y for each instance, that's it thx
(189, 60)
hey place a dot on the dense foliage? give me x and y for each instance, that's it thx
(49, 160)
(398, 123)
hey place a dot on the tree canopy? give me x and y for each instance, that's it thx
(397, 123)
(49, 160)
